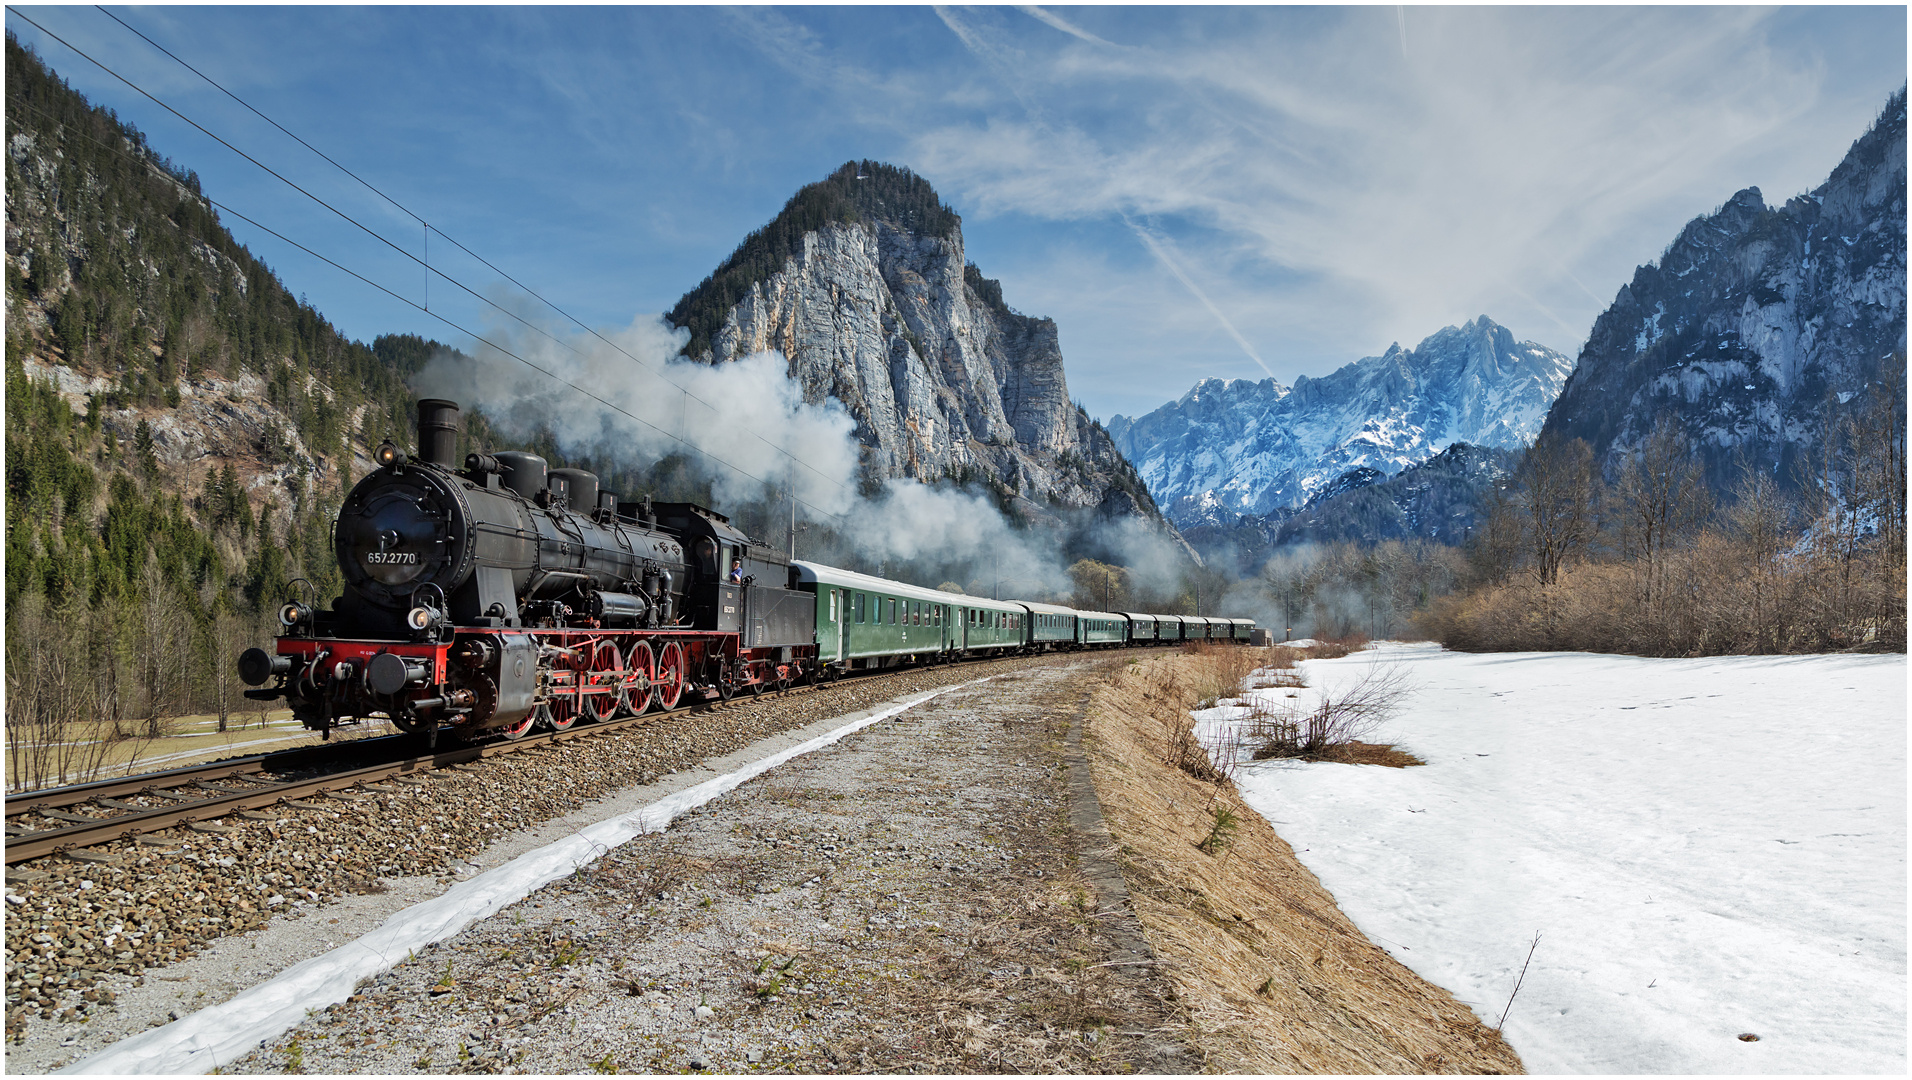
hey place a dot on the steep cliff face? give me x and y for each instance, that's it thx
(1757, 320)
(1236, 447)
(863, 286)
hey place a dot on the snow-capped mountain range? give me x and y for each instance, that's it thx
(1238, 447)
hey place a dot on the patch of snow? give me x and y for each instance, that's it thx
(1706, 848)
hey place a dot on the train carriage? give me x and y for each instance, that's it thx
(864, 621)
(1100, 629)
(1244, 630)
(1049, 626)
(1141, 628)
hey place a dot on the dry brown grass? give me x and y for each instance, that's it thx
(1334, 648)
(1275, 979)
(1363, 753)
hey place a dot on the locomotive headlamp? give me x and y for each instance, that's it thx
(420, 617)
(389, 455)
(294, 613)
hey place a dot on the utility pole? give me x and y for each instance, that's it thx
(793, 524)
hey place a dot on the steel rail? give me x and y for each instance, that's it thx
(298, 757)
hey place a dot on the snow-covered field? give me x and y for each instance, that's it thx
(1706, 848)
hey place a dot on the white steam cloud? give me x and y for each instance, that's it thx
(744, 425)
(746, 421)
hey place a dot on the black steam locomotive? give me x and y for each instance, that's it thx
(503, 595)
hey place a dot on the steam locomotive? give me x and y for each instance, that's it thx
(490, 599)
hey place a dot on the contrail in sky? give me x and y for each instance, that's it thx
(1160, 251)
(1400, 17)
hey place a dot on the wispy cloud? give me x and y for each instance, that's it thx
(1050, 18)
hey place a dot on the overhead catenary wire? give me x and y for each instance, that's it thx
(429, 269)
(554, 376)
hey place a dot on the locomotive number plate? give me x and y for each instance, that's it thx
(391, 558)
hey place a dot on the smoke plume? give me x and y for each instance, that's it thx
(746, 426)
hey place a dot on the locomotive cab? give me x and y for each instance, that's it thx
(762, 607)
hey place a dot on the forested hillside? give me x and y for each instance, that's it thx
(178, 424)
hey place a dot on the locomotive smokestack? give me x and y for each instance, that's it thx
(438, 431)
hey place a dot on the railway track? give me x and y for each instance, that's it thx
(69, 821)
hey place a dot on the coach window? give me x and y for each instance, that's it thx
(858, 605)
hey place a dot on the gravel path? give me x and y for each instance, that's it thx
(908, 899)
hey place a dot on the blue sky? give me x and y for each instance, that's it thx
(1189, 192)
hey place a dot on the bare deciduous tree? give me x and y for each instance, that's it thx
(1663, 501)
(1558, 495)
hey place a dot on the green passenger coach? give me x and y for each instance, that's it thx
(868, 622)
(1050, 627)
(1100, 629)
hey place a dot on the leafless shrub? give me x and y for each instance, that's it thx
(1212, 674)
(1343, 717)
(1187, 753)
(1334, 648)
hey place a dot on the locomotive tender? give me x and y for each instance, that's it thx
(503, 595)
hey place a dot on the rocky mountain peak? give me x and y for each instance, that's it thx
(862, 283)
(1756, 317)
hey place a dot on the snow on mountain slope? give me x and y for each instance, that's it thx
(1238, 447)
